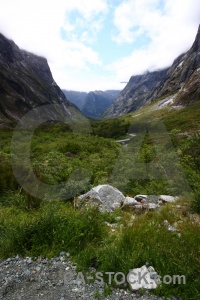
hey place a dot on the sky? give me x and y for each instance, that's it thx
(97, 44)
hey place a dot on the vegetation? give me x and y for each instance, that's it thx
(164, 158)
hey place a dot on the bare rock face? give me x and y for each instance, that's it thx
(26, 82)
(182, 79)
(181, 74)
(136, 94)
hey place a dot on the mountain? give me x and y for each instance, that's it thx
(180, 81)
(26, 82)
(77, 98)
(97, 102)
(182, 77)
(136, 93)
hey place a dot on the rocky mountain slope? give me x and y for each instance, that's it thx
(180, 80)
(182, 77)
(77, 98)
(97, 102)
(136, 93)
(26, 82)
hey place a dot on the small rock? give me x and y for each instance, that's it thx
(27, 272)
(167, 198)
(29, 261)
(140, 198)
(128, 201)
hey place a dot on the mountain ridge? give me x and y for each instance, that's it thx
(26, 82)
(93, 103)
(141, 86)
(180, 80)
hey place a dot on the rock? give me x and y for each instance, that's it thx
(140, 278)
(106, 197)
(152, 199)
(109, 199)
(167, 198)
(150, 206)
(141, 198)
(138, 206)
(169, 227)
(129, 201)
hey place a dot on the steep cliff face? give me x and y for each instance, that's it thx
(136, 94)
(181, 74)
(181, 80)
(97, 102)
(26, 82)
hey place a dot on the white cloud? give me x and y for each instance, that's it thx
(36, 25)
(64, 32)
(170, 28)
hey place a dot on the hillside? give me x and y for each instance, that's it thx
(180, 81)
(26, 82)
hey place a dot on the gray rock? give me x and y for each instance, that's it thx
(141, 198)
(150, 206)
(169, 227)
(106, 197)
(167, 198)
(141, 278)
(129, 201)
(29, 261)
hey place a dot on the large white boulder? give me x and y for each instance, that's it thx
(105, 196)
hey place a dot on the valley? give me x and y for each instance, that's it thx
(56, 154)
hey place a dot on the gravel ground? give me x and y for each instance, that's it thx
(54, 279)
